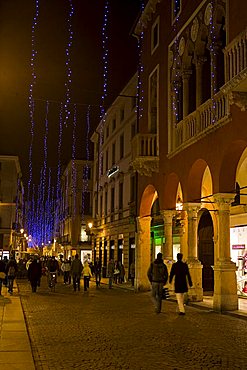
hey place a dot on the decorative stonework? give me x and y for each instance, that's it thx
(146, 16)
(146, 166)
(194, 29)
(208, 14)
(181, 46)
(239, 99)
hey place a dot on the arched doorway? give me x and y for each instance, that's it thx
(206, 250)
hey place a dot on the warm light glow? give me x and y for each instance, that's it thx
(179, 204)
(25, 235)
(90, 225)
(21, 231)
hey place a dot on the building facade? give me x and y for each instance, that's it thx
(12, 238)
(191, 150)
(114, 188)
(75, 213)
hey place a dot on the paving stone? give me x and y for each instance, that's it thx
(118, 329)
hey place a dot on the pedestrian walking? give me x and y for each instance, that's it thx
(11, 271)
(110, 272)
(122, 273)
(157, 275)
(2, 274)
(87, 274)
(116, 272)
(181, 272)
(97, 271)
(132, 273)
(34, 273)
(66, 271)
(76, 270)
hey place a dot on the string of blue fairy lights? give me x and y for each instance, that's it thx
(31, 106)
(68, 81)
(105, 82)
(213, 62)
(73, 169)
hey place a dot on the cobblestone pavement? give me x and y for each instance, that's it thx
(117, 329)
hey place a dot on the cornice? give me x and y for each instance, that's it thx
(146, 16)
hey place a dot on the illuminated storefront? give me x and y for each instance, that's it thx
(238, 240)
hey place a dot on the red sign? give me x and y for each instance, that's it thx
(238, 246)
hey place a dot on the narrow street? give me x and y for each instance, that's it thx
(118, 329)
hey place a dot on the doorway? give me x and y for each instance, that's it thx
(206, 250)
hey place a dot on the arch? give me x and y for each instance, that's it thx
(148, 198)
(206, 249)
(241, 176)
(230, 160)
(195, 180)
(170, 191)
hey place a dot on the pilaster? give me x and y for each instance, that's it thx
(143, 253)
(225, 280)
(195, 267)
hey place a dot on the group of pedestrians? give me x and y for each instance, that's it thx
(8, 271)
(158, 277)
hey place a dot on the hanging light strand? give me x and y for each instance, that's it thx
(74, 175)
(68, 64)
(140, 94)
(105, 81)
(212, 48)
(175, 83)
(85, 172)
(31, 104)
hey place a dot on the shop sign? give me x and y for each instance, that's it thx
(238, 246)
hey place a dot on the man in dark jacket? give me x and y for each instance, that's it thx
(180, 270)
(157, 275)
(34, 273)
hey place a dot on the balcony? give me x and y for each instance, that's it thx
(145, 155)
(209, 116)
(236, 70)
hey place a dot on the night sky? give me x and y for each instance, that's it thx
(51, 39)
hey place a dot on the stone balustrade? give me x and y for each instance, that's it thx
(236, 56)
(144, 145)
(208, 116)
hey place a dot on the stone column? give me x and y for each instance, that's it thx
(167, 248)
(186, 76)
(143, 258)
(195, 266)
(225, 280)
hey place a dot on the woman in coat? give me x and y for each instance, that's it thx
(180, 270)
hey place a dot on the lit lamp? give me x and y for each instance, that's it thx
(21, 231)
(90, 225)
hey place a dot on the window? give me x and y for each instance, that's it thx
(155, 36)
(121, 146)
(106, 160)
(113, 153)
(106, 201)
(120, 200)
(176, 8)
(122, 114)
(112, 200)
(132, 188)
(113, 124)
